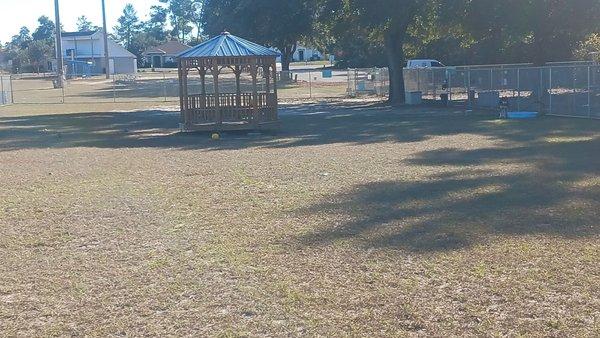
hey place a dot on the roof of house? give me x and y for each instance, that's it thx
(228, 45)
(114, 49)
(168, 48)
(77, 34)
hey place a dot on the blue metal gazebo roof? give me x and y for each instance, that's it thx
(227, 45)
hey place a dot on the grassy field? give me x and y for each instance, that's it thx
(354, 220)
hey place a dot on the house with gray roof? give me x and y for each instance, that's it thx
(164, 55)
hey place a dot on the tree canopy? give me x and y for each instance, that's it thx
(45, 30)
(274, 23)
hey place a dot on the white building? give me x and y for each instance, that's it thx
(304, 54)
(88, 48)
(307, 54)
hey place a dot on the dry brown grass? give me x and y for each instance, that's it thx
(353, 221)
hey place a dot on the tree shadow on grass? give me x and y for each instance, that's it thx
(302, 125)
(556, 196)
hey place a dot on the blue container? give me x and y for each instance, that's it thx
(519, 115)
(327, 73)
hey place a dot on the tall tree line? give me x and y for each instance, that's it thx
(361, 33)
(32, 51)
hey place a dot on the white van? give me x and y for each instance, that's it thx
(424, 63)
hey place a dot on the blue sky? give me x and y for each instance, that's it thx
(17, 13)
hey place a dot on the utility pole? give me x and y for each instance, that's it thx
(106, 60)
(59, 56)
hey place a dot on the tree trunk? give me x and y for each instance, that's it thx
(394, 49)
(539, 49)
(540, 32)
(287, 54)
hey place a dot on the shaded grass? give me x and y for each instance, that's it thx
(354, 220)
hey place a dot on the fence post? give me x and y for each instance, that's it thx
(449, 86)
(356, 82)
(2, 91)
(518, 89)
(164, 85)
(574, 110)
(12, 93)
(589, 90)
(434, 84)
(491, 79)
(550, 89)
(62, 89)
(540, 97)
(309, 85)
(114, 90)
(469, 88)
(348, 90)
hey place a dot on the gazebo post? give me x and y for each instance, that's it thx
(202, 72)
(215, 74)
(274, 100)
(186, 98)
(266, 69)
(182, 119)
(253, 73)
(238, 89)
(274, 65)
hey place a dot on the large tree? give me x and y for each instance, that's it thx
(22, 39)
(38, 53)
(558, 26)
(589, 49)
(181, 15)
(45, 29)
(354, 45)
(390, 19)
(524, 30)
(155, 27)
(275, 23)
(128, 26)
(85, 25)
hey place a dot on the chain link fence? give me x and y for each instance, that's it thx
(162, 86)
(5, 90)
(562, 90)
(566, 90)
(368, 81)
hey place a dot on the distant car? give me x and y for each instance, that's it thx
(424, 64)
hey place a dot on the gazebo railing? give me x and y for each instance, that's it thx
(230, 100)
(203, 108)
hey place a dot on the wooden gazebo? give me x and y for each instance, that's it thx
(221, 56)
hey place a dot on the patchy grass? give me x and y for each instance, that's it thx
(354, 220)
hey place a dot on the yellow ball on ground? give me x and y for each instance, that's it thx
(215, 136)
